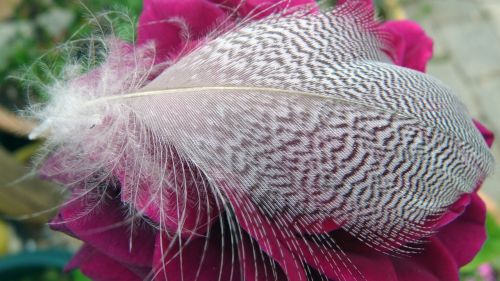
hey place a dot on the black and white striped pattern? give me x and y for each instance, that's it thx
(305, 117)
(381, 148)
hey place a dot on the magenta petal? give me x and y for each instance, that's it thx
(207, 259)
(366, 264)
(374, 266)
(168, 22)
(256, 265)
(100, 267)
(487, 134)
(53, 167)
(258, 9)
(326, 225)
(292, 251)
(85, 253)
(465, 236)
(268, 236)
(183, 203)
(435, 263)
(103, 225)
(454, 211)
(58, 223)
(368, 2)
(355, 262)
(167, 208)
(411, 47)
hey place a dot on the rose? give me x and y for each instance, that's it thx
(113, 250)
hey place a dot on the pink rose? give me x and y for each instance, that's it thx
(118, 248)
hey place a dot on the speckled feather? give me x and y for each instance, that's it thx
(305, 116)
(309, 118)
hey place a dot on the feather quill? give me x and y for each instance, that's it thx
(293, 120)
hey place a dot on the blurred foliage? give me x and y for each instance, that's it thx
(40, 266)
(36, 27)
(51, 274)
(32, 32)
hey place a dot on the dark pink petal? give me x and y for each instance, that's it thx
(368, 2)
(172, 24)
(58, 223)
(410, 46)
(53, 170)
(366, 264)
(435, 263)
(465, 236)
(199, 259)
(267, 235)
(374, 266)
(168, 208)
(467, 217)
(258, 9)
(316, 227)
(256, 265)
(100, 267)
(291, 251)
(454, 211)
(101, 222)
(355, 262)
(85, 253)
(181, 203)
(487, 134)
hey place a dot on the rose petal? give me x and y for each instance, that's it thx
(169, 22)
(487, 134)
(465, 236)
(102, 224)
(373, 266)
(256, 265)
(206, 258)
(257, 9)
(356, 261)
(182, 203)
(435, 263)
(100, 267)
(369, 3)
(454, 211)
(267, 235)
(52, 169)
(410, 46)
(325, 225)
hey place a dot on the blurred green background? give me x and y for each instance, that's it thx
(29, 32)
(31, 29)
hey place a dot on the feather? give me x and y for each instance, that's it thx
(294, 119)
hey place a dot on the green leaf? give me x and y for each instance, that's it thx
(78, 276)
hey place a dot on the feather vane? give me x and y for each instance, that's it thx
(300, 118)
